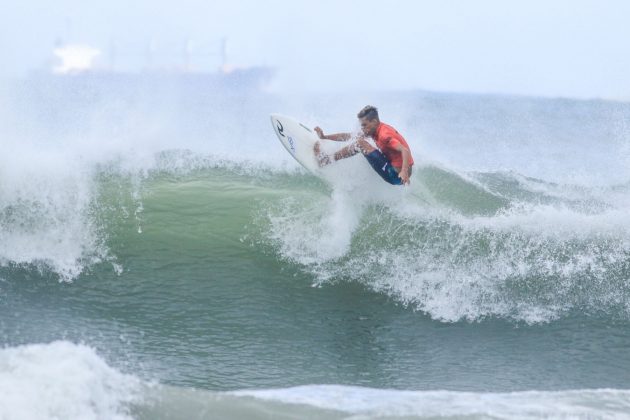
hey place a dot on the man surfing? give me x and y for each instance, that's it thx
(392, 159)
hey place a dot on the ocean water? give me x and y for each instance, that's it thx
(162, 256)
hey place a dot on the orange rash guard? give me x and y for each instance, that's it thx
(387, 138)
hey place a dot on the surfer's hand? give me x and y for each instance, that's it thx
(404, 175)
(319, 132)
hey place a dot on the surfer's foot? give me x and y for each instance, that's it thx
(322, 158)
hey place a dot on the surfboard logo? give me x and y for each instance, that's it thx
(280, 128)
(291, 144)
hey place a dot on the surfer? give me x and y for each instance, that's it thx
(391, 159)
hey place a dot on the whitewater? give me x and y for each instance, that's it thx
(162, 256)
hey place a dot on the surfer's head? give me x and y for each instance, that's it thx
(368, 117)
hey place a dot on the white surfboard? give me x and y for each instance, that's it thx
(298, 139)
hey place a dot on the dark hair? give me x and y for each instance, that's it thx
(370, 112)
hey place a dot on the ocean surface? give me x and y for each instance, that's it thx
(163, 257)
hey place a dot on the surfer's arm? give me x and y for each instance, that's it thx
(404, 170)
(333, 137)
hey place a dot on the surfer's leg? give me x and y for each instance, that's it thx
(364, 146)
(383, 167)
(322, 158)
(359, 146)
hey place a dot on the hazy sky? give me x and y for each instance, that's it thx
(577, 48)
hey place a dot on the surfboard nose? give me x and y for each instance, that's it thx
(275, 119)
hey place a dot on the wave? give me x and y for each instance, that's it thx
(454, 245)
(529, 254)
(71, 381)
(468, 240)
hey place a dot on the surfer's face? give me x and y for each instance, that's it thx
(369, 126)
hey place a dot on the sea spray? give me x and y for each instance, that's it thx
(528, 261)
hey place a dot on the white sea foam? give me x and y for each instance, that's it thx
(529, 261)
(352, 402)
(62, 380)
(367, 403)
(45, 201)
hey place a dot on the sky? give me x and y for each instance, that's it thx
(575, 48)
